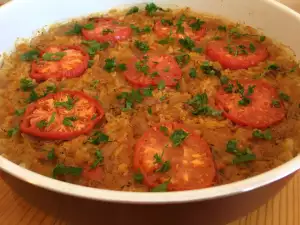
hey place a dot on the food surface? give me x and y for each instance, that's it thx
(150, 99)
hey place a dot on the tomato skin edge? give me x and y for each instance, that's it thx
(60, 135)
(76, 72)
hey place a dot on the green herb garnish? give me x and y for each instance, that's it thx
(26, 84)
(110, 65)
(11, 132)
(138, 177)
(284, 96)
(208, 69)
(187, 43)
(133, 10)
(241, 156)
(30, 55)
(97, 138)
(69, 104)
(262, 135)
(182, 60)
(197, 24)
(94, 46)
(51, 154)
(161, 187)
(19, 112)
(56, 56)
(75, 30)
(142, 46)
(151, 8)
(61, 169)
(164, 130)
(68, 121)
(161, 85)
(178, 136)
(99, 159)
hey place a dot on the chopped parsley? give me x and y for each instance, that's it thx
(162, 98)
(167, 40)
(148, 91)
(245, 100)
(193, 73)
(107, 31)
(61, 169)
(151, 8)
(94, 46)
(197, 24)
(273, 66)
(89, 26)
(51, 154)
(69, 104)
(110, 65)
(19, 112)
(180, 28)
(130, 98)
(222, 28)
(68, 121)
(26, 84)
(200, 106)
(137, 30)
(208, 69)
(50, 89)
(241, 156)
(44, 123)
(90, 63)
(33, 96)
(149, 110)
(262, 38)
(99, 159)
(142, 46)
(284, 96)
(177, 86)
(122, 67)
(198, 50)
(11, 132)
(132, 10)
(138, 177)
(178, 136)
(164, 130)
(187, 43)
(161, 187)
(224, 80)
(142, 66)
(164, 167)
(75, 30)
(56, 56)
(30, 55)
(262, 135)
(276, 103)
(166, 22)
(161, 85)
(252, 47)
(182, 60)
(97, 138)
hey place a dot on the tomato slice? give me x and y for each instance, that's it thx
(238, 54)
(107, 29)
(260, 112)
(191, 163)
(62, 62)
(62, 116)
(164, 31)
(150, 70)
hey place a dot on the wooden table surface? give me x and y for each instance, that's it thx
(19, 204)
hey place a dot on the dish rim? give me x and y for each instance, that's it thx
(150, 197)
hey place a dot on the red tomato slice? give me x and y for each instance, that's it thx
(164, 31)
(191, 163)
(157, 68)
(218, 51)
(93, 174)
(52, 117)
(107, 30)
(260, 113)
(72, 63)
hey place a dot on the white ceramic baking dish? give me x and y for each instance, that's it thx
(20, 19)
